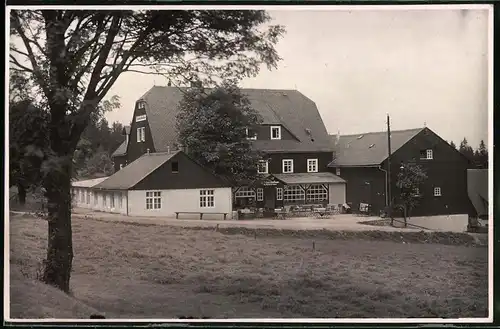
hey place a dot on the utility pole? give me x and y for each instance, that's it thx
(389, 194)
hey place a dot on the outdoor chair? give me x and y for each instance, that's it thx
(364, 209)
(334, 209)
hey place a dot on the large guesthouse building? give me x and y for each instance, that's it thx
(293, 138)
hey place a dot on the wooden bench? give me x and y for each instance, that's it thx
(201, 213)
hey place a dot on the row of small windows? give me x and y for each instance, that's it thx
(291, 193)
(153, 198)
(141, 131)
(107, 198)
(287, 166)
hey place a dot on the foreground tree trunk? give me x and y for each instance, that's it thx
(57, 271)
(21, 193)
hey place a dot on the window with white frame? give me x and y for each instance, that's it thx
(437, 191)
(120, 201)
(141, 134)
(104, 201)
(207, 199)
(112, 200)
(250, 134)
(153, 200)
(244, 192)
(260, 194)
(426, 154)
(96, 198)
(317, 192)
(337, 171)
(287, 166)
(262, 167)
(312, 165)
(275, 132)
(279, 193)
(293, 193)
(140, 118)
(141, 105)
(88, 197)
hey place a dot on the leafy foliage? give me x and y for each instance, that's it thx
(28, 143)
(98, 137)
(409, 179)
(212, 126)
(98, 165)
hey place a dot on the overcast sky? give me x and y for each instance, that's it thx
(420, 66)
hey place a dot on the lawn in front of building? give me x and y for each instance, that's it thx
(131, 271)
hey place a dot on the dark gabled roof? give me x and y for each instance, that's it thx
(368, 149)
(289, 108)
(135, 172)
(121, 150)
(309, 178)
(477, 189)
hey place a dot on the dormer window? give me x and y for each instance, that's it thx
(262, 167)
(141, 105)
(250, 134)
(275, 132)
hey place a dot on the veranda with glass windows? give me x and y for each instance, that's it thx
(280, 191)
(282, 195)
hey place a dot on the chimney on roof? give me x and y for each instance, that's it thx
(337, 139)
(168, 149)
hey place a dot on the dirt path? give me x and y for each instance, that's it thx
(337, 223)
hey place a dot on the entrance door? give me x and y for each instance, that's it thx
(270, 197)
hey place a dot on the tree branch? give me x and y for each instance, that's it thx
(14, 61)
(77, 56)
(36, 68)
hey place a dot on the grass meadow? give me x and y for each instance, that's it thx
(131, 271)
